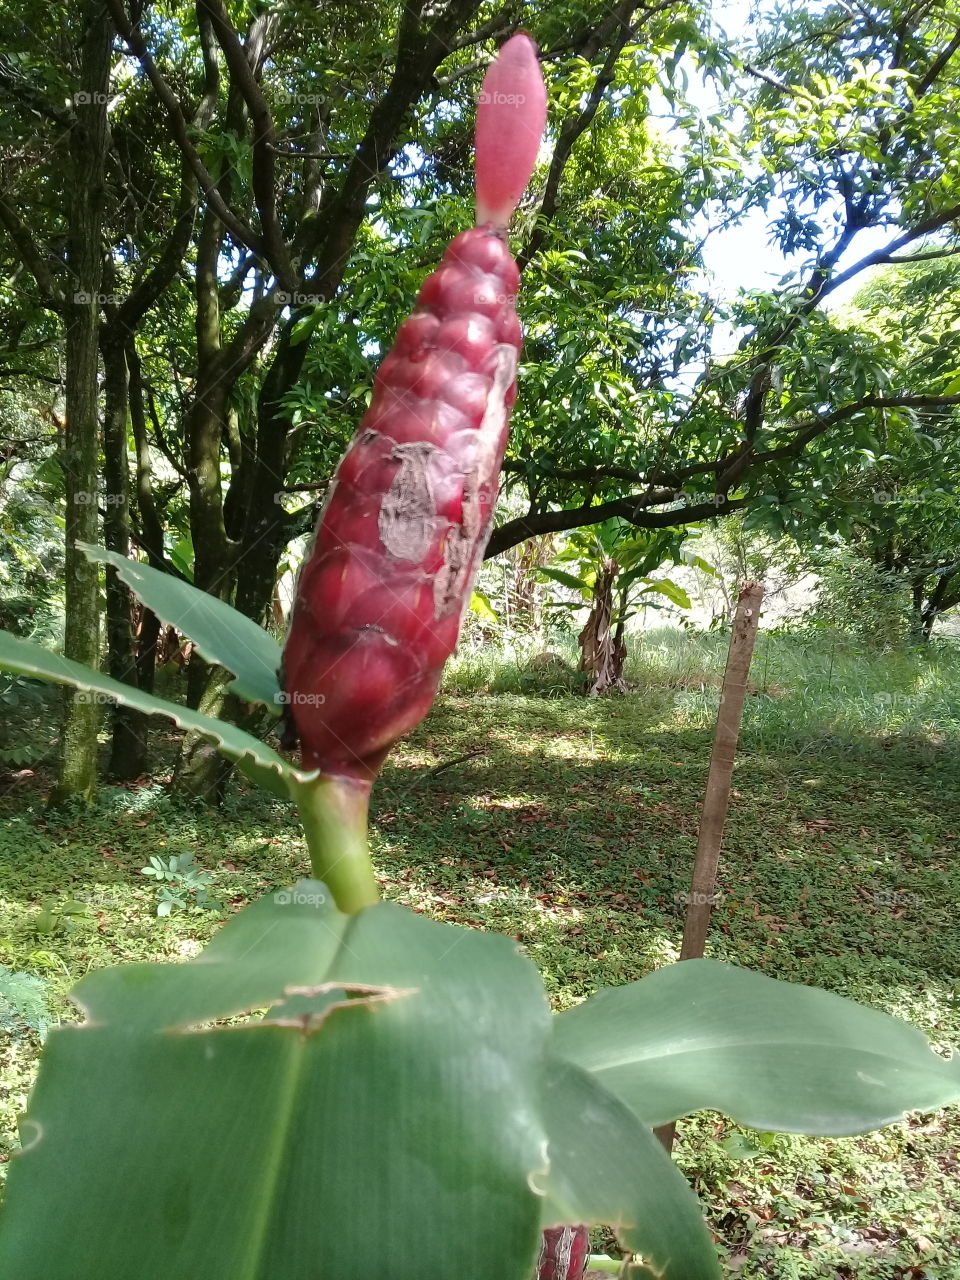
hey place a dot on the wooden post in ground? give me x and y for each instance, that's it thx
(703, 882)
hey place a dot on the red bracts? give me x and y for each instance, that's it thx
(564, 1253)
(385, 585)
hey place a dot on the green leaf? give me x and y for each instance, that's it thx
(182, 556)
(621, 1178)
(566, 579)
(260, 763)
(740, 1147)
(698, 562)
(391, 1130)
(705, 1035)
(481, 606)
(222, 634)
(665, 587)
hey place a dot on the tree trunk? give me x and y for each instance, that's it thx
(198, 770)
(201, 772)
(602, 648)
(264, 536)
(151, 528)
(128, 750)
(88, 146)
(939, 599)
(706, 861)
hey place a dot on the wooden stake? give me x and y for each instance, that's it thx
(703, 882)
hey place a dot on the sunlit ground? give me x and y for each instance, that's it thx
(571, 826)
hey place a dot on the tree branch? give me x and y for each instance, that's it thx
(881, 257)
(329, 235)
(242, 234)
(25, 244)
(571, 130)
(632, 509)
(264, 140)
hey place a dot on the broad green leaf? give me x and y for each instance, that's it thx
(566, 579)
(221, 633)
(260, 763)
(382, 1120)
(705, 1035)
(665, 587)
(182, 557)
(481, 606)
(621, 1178)
(286, 939)
(698, 562)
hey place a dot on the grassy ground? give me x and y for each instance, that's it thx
(572, 826)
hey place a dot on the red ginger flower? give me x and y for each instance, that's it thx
(564, 1253)
(382, 593)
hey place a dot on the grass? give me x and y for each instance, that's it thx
(571, 826)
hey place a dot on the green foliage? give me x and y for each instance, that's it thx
(181, 882)
(27, 717)
(254, 758)
(220, 633)
(58, 917)
(378, 1025)
(700, 1035)
(865, 601)
(637, 556)
(391, 1023)
(581, 820)
(23, 1004)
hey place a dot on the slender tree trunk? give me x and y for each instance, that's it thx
(198, 771)
(201, 772)
(128, 750)
(703, 882)
(88, 146)
(602, 648)
(264, 536)
(151, 527)
(706, 861)
(939, 599)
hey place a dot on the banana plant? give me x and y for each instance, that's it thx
(612, 567)
(338, 1086)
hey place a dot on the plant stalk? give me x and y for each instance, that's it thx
(334, 815)
(703, 882)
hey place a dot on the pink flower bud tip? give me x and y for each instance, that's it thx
(511, 115)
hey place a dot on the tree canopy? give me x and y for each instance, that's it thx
(277, 181)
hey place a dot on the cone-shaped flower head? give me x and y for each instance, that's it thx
(384, 587)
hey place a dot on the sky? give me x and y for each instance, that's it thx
(741, 256)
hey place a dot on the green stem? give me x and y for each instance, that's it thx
(334, 815)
